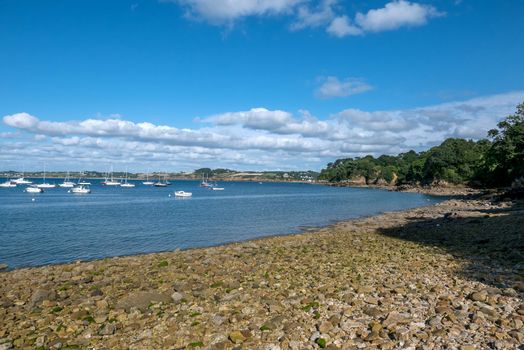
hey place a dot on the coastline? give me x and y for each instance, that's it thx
(376, 280)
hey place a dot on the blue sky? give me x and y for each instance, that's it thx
(267, 84)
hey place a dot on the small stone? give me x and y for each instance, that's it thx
(467, 347)
(395, 317)
(218, 320)
(325, 327)
(237, 337)
(177, 297)
(478, 296)
(107, 329)
(372, 311)
(3, 267)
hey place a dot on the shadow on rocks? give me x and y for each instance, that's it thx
(491, 242)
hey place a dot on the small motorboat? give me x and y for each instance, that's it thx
(21, 181)
(80, 190)
(217, 188)
(183, 194)
(33, 189)
(46, 185)
(7, 184)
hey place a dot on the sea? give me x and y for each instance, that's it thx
(59, 227)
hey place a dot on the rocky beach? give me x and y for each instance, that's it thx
(448, 276)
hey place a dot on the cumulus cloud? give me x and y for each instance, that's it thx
(313, 14)
(258, 138)
(341, 27)
(396, 14)
(223, 11)
(333, 87)
(311, 17)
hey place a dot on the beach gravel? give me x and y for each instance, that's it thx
(447, 276)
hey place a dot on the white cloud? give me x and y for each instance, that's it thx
(312, 14)
(227, 11)
(396, 14)
(258, 138)
(341, 27)
(333, 87)
(308, 17)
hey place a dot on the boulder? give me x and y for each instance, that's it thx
(142, 300)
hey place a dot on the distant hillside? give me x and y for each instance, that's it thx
(211, 174)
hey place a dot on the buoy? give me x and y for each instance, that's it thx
(169, 195)
(32, 199)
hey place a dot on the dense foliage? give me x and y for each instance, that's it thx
(495, 162)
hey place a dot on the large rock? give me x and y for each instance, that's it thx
(142, 300)
(40, 295)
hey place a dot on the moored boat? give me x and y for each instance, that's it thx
(183, 194)
(7, 184)
(33, 189)
(80, 190)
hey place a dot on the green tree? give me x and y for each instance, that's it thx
(505, 159)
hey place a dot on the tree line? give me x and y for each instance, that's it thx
(496, 161)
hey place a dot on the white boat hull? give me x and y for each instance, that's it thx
(79, 190)
(21, 181)
(7, 185)
(66, 185)
(46, 185)
(127, 185)
(183, 194)
(34, 190)
(112, 183)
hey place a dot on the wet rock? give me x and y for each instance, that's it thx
(3, 267)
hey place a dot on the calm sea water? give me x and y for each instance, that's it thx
(61, 227)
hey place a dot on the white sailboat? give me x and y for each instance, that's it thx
(67, 183)
(127, 184)
(45, 184)
(147, 182)
(111, 181)
(160, 183)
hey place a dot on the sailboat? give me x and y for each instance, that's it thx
(205, 182)
(147, 182)
(160, 183)
(45, 184)
(111, 181)
(67, 183)
(127, 184)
